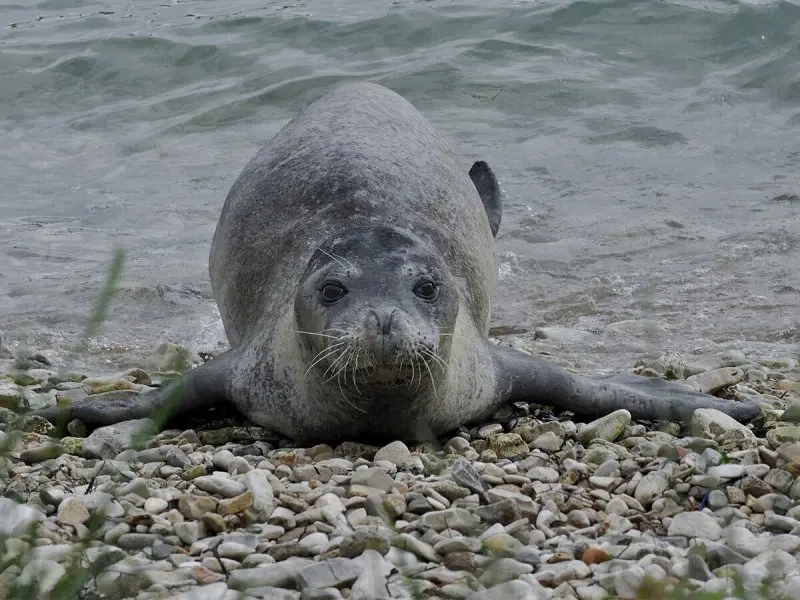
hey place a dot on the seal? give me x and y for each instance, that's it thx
(354, 268)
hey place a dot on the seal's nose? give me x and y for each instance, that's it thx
(384, 320)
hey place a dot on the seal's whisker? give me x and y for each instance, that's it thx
(438, 359)
(401, 366)
(335, 256)
(355, 370)
(323, 354)
(371, 362)
(441, 362)
(335, 337)
(428, 354)
(345, 358)
(333, 368)
(332, 257)
(341, 391)
(330, 347)
(430, 374)
(333, 365)
(417, 359)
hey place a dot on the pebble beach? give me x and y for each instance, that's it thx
(530, 505)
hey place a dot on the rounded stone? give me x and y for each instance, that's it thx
(396, 452)
(155, 506)
(72, 512)
(608, 428)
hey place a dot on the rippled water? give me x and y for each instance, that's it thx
(650, 152)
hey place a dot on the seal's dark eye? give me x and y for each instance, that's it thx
(332, 292)
(426, 289)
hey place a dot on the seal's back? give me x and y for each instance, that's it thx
(359, 156)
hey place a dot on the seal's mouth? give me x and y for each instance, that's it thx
(359, 368)
(389, 375)
(413, 376)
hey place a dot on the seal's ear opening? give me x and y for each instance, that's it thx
(489, 190)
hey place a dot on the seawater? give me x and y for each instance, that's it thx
(649, 150)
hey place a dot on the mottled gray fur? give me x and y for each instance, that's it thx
(362, 156)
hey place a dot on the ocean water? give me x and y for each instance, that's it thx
(649, 151)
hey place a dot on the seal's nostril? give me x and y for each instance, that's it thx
(383, 319)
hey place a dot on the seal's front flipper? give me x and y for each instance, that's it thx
(201, 387)
(489, 190)
(525, 378)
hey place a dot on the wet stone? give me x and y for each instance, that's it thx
(491, 429)
(362, 540)
(214, 522)
(108, 441)
(548, 442)
(753, 486)
(458, 519)
(695, 524)
(193, 506)
(508, 445)
(236, 504)
(504, 511)
(41, 453)
(136, 541)
(72, 512)
(396, 452)
(281, 552)
(606, 428)
(372, 478)
(334, 572)
(710, 423)
(282, 575)
(464, 474)
(219, 485)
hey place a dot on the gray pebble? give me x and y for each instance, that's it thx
(695, 525)
(109, 441)
(396, 452)
(333, 572)
(608, 427)
(282, 575)
(136, 541)
(223, 486)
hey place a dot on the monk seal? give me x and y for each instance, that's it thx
(354, 268)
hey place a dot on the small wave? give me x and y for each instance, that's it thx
(508, 48)
(646, 136)
(245, 107)
(95, 74)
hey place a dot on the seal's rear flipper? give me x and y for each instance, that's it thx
(489, 191)
(202, 387)
(525, 378)
(670, 400)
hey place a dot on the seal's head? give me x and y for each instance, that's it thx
(376, 309)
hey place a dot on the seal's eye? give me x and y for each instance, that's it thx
(426, 289)
(332, 292)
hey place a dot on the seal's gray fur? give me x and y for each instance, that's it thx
(361, 156)
(359, 169)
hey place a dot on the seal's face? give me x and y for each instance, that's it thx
(376, 309)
